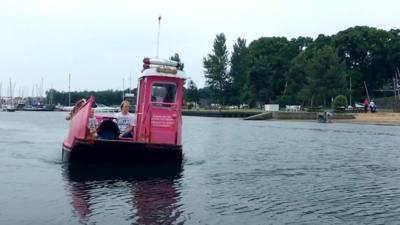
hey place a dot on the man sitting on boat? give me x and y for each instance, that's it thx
(125, 121)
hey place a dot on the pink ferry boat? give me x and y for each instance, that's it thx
(157, 133)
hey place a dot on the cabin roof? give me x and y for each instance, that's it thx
(150, 72)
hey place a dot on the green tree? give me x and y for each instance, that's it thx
(296, 80)
(269, 60)
(326, 76)
(191, 92)
(176, 58)
(365, 52)
(204, 93)
(394, 51)
(260, 82)
(216, 70)
(239, 71)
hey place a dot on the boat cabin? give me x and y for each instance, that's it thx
(159, 104)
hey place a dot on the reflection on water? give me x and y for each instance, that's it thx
(149, 191)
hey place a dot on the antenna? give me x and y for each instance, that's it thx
(158, 35)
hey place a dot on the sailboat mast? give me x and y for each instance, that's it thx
(123, 89)
(394, 88)
(69, 89)
(366, 90)
(41, 88)
(10, 89)
(11, 93)
(130, 83)
(397, 82)
(350, 90)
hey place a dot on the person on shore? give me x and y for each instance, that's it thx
(366, 104)
(372, 106)
(125, 121)
(92, 124)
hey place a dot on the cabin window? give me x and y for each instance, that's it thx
(163, 93)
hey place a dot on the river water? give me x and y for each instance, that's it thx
(234, 172)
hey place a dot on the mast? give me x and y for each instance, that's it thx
(11, 93)
(51, 94)
(130, 83)
(366, 89)
(69, 90)
(350, 90)
(394, 88)
(397, 82)
(41, 88)
(123, 89)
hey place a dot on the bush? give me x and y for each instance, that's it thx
(284, 100)
(340, 101)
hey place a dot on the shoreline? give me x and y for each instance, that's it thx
(378, 118)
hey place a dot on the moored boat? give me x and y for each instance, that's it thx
(157, 133)
(10, 108)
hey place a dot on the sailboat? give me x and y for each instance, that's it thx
(10, 106)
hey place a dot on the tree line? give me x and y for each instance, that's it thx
(303, 70)
(106, 97)
(114, 97)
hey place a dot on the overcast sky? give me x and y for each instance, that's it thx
(102, 42)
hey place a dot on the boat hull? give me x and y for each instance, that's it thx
(100, 150)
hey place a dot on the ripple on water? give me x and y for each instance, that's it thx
(234, 172)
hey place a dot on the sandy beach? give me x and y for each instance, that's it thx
(380, 118)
